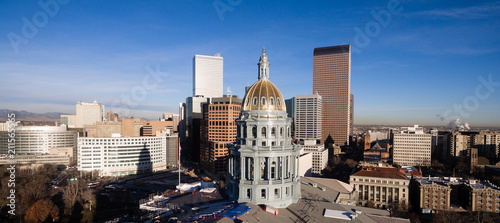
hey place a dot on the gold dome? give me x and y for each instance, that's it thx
(264, 95)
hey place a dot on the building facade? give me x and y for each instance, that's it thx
(208, 76)
(319, 156)
(218, 128)
(483, 196)
(263, 163)
(308, 117)
(380, 185)
(412, 147)
(488, 144)
(89, 113)
(31, 140)
(128, 155)
(433, 194)
(332, 80)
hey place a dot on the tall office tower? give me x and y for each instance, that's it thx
(412, 147)
(332, 80)
(207, 76)
(308, 130)
(290, 110)
(263, 163)
(308, 117)
(89, 113)
(218, 128)
(351, 115)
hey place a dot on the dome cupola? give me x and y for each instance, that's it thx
(264, 95)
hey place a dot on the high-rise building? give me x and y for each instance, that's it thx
(263, 163)
(351, 115)
(308, 130)
(488, 144)
(308, 117)
(207, 83)
(218, 128)
(412, 147)
(332, 80)
(207, 76)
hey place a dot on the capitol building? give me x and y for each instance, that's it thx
(263, 162)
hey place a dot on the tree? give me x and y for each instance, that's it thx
(88, 198)
(70, 195)
(42, 211)
(351, 163)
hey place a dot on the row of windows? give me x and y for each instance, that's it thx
(263, 101)
(263, 193)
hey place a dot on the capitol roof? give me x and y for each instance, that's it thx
(264, 95)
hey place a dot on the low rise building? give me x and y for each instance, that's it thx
(432, 194)
(305, 164)
(127, 155)
(483, 196)
(319, 156)
(37, 140)
(380, 185)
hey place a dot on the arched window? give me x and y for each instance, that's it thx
(255, 100)
(279, 101)
(263, 132)
(273, 132)
(263, 101)
(281, 132)
(254, 131)
(289, 135)
(271, 101)
(247, 102)
(273, 170)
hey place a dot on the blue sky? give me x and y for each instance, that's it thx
(417, 67)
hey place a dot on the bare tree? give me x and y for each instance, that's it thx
(70, 195)
(87, 197)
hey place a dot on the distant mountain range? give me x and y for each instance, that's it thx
(30, 116)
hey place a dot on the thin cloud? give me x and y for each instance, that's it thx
(471, 12)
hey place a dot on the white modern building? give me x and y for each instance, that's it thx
(207, 76)
(86, 114)
(306, 163)
(308, 117)
(319, 156)
(308, 110)
(126, 155)
(31, 140)
(412, 147)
